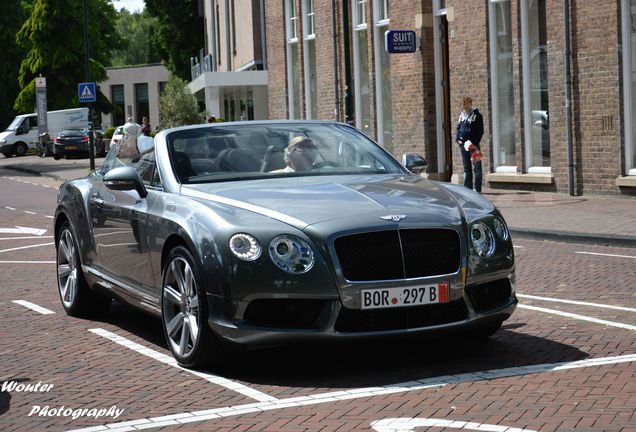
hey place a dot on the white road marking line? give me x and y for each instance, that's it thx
(576, 302)
(198, 416)
(166, 359)
(29, 212)
(27, 262)
(33, 306)
(26, 247)
(579, 317)
(50, 217)
(9, 208)
(607, 255)
(408, 424)
(519, 247)
(25, 238)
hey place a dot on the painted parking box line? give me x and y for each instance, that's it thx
(26, 247)
(198, 416)
(579, 317)
(576, 302)
(163, 358)
(606, 254)
(27, 262)
(33, 306)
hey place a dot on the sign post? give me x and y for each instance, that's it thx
(87, 94)
(40, 99)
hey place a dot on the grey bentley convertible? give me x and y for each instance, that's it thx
(263, 233)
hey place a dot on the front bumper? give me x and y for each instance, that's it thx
(287, 320)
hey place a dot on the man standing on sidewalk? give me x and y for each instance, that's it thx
(470, 129)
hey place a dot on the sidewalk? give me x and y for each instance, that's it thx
(539, 215)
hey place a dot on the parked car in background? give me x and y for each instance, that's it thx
(117, 136)
(75, 142)
(213, 231)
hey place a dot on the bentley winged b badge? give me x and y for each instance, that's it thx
(394, 218)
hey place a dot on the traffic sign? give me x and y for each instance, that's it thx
(400, 41)
(87, 92)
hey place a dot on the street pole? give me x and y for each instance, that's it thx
(91, 143)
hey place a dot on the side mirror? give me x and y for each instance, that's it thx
(414, 162)
(125, 178)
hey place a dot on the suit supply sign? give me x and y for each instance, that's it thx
(400, 41)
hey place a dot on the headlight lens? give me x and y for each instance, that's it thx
(245, 247)
(291, 254)
(501, 229)
(483, 239)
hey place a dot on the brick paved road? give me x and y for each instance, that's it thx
(330, 388)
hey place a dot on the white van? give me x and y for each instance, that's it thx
(22, 133)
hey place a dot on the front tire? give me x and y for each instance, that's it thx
(21, 149)
(77, 298)
(184, 312)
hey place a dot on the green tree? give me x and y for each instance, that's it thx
(139, 43)
(179, 33)
(177, 105)
(54, 38)
(11, 55)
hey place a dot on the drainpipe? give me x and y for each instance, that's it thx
(263, 38)
(336, 84)
(348, 98)
(568, 95)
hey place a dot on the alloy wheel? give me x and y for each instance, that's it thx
(67, 271)
(181, 307)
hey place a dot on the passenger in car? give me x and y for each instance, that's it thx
(299, 155)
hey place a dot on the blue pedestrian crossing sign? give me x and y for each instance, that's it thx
(87, 92)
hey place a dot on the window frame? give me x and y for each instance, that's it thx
(379, 23)
(309, 37)
(291, 44)
(628, 86)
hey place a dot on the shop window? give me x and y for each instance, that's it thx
(309, 56)
(293, 67)
(361, 67)
(117, 98)
(535, 87)
(629, 80)
(501, 82)
(384, 99)
(142, 107)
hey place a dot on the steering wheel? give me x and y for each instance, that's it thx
(324, 164)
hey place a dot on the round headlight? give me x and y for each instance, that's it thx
(291, 254)
(483, 239)
(245, 247)
(501, 229)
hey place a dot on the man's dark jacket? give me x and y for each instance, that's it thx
(470, 127)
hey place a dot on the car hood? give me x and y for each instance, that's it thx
(5, 134)
(305, 201)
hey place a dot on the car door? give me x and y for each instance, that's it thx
(121, 235)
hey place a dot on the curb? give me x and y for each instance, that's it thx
(575, 237)
(34, 172)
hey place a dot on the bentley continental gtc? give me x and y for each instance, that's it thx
(273, 232)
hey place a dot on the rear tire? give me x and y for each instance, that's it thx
(77, 298)
(184, 312)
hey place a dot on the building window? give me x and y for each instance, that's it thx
(293, 67)
(535, 87)
(503, 114)
(142, 108)
(384, 99)
(309, 57)
(629, 80)
(361, 67)
(117, 98)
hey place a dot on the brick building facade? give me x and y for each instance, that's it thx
(508, 55)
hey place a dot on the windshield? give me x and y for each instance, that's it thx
(15, 123)
(73, 132)
(234, 152)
